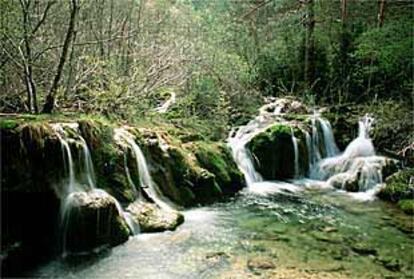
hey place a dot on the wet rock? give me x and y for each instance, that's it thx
(407, 206)
(345, 181)
(274, 154)
(329, 229)
(151, 218)
(389, 263)
(92, 219)
(363, 249)
(398, 186)
(257, 264)
(329, 238)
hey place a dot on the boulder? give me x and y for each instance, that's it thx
(398, 186)
(152, 218)
(273, 152)
(345, 181)
(92, 219)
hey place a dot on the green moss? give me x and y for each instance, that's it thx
(407, 206)
(273, 152)
(8, 123)
(397, 186)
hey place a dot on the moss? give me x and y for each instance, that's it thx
(407, 206)
(8, 124)
(398, 186)
(273, 152)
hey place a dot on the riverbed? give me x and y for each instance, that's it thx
(313, 233)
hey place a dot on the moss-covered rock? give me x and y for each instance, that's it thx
(92, 219)
(274, 154)
(151, 218)
(398, 187)
(407, 206)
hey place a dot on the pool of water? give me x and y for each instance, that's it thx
(269, 234)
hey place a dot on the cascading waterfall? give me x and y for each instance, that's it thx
(65, 140)
(68, 133)
(237, 142)
(357, 168)
(146, 182)
(296, 154)
(357, 165)
(329, 141)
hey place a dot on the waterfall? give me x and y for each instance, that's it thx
(84, 181)
(242, 156)
(296, 153)
(357, 165)
(328, 138)
(68, 133)
(145, 179)
(309, 149)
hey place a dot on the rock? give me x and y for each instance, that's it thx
(345, 181)
(92, 219)
(274, 155)
(151, 218)
(391, 264)
(398, 187)
(260, 264)
(407, 206)
(329, 229)
(363, 249)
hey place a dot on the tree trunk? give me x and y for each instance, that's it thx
(309, 46)
(50, 98)
(381, 14)
(27, 60)
(344, 48)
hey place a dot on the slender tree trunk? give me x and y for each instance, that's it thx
(50, 98)
(344, 48)
(27, 57)
(309, 46)
(381, 14)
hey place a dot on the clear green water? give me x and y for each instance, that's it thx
(310, 234)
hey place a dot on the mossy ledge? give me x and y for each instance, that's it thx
(274, 154)
(188, 170)
(399, 189)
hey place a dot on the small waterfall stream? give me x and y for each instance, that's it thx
(242, 155)
(145, 179)
(296, 151)
(357, 166)
(83, 181)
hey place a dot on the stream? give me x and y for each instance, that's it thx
(307, 233)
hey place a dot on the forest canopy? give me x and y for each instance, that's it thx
(122, 58)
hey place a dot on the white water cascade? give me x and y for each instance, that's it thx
(296, 151)
(167, 104)
(242, 155)
(145, 179)
(69, 134)
(357, 169)
(357, 165)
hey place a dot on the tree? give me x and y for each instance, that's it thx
(50, 98)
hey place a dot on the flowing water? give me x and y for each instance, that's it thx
(81, 181)
(292, 229)
(145, 179)
(309, 234)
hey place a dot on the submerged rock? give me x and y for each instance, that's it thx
(151, 218)
(256, 264)
(92, 219)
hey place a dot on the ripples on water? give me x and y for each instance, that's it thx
(302, 231)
